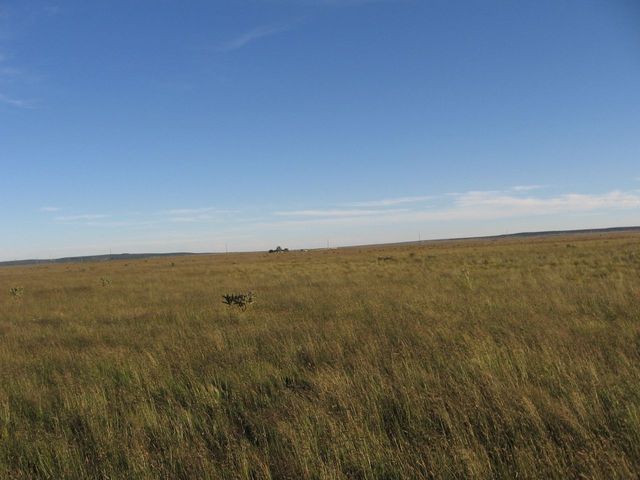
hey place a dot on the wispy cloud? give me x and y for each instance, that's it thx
(471, 206)
(391, 201)
(52, 10)
(335, 213)
(193, 218)
(526, 188)
(118, 223)
(251, 36)
(9, 72)
(81, 218)
(139, 219)
(570, 202)
(343, 3)
(193, 215)
(12, 76)
(16, 102)
(188, 211)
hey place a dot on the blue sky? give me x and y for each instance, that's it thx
(170, 125)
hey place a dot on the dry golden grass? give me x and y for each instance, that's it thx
(510, 359)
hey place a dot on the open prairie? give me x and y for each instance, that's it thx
(478, 359)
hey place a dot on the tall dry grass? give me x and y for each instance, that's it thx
(515, 359)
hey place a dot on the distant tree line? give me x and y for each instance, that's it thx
(278, 249)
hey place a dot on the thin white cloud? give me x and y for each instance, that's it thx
(526, 188)
(391, 201)
(569, 202)
(193, 219)
(135, 219)
(8, 72)
(193, 215)
(81, 218)
(188, 211)
(119, 223)
(252, 36)
(335, 213)
(471, 206)
(52, 10)
(343, 3)
(15, 102)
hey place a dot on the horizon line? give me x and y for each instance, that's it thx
(140, 256)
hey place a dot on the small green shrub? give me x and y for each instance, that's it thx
(241, 300)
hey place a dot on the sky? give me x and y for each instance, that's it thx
(205, 125)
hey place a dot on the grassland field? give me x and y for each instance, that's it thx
(476, 359)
